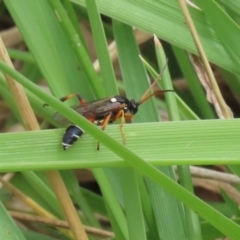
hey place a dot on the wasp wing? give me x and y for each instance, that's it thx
(95, 110)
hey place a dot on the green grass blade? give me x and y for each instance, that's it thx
(95, 201)
(46, 193)
(100, 41)
(70, 10)
(231, 204)
(152, 232)
(9, 229)
(135, 75)
(73, 188)
(192, 230)
(194, 84)
(185, 149)
(81, 52)
(224, 27)
(167, 83)
(133, 208)
(135, 81)
(133, 72)
(225, 225)
(29, 235)
(21, 55)
(184, 110)
(116, 214)
(50, 47)
(157, 18)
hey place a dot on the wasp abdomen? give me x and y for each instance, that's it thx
(71, 135)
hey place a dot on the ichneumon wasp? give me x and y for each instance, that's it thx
(103, 112)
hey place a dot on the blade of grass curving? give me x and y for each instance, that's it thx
(50, 47)
(74, 20)
(81, 52)
(226, 226)
(157, 18)
(107, 72)
(9, 229)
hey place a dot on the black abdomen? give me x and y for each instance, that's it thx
(71, 135)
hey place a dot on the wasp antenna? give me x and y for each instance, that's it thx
(154, 83)
(153, 94)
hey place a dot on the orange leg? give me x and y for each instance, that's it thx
(81, 100)
(104, 124)
(63, 99)
(118, 115)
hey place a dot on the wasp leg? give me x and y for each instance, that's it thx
(81, 100)
(104, 123)
(63, 99)
(118, 115)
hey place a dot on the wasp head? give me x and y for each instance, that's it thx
(132, 106)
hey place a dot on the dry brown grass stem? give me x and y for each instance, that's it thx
(30, 123)
(202, 54)
(59, 224)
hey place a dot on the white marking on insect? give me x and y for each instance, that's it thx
(113, 100)
(79, 128)
(66, 145)
(98, 122)
(76, 136)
